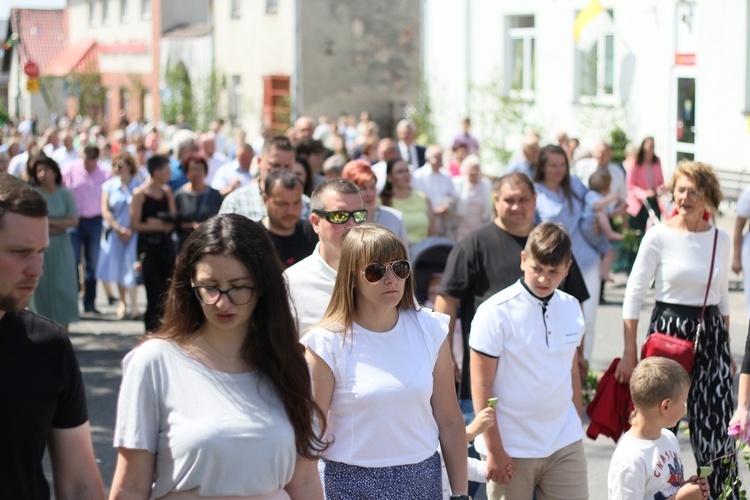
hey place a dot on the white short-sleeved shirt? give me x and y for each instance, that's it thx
(535, 412)
(380, 413)
(214, 434)
(310, 282)
(640, 469)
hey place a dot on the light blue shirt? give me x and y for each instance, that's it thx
(553, 206)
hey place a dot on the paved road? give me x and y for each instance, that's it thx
(102, 342)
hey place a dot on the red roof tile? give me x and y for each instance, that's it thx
(41, 34)
(81, 56)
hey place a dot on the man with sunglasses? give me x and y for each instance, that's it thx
(336, 205)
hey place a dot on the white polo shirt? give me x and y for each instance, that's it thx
(536, 346)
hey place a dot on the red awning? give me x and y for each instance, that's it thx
(81, 56)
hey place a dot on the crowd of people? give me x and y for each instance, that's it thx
(285, 353)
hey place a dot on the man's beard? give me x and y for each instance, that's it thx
(8, 303)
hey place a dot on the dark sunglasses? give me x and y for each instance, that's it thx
(342, 216)
(375, 272)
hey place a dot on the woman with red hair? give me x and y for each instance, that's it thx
(360, 173)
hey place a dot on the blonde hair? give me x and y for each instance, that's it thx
(656, 379)
(363, 245)
(706, 182)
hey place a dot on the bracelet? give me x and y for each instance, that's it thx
(460, 497)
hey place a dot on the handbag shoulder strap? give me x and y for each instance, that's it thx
(710, 273)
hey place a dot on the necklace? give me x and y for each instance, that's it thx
(230, 358)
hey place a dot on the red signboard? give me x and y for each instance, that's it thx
(31, 69)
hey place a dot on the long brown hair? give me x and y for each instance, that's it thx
(271, 344)
(363, 245)
(554, 149)
(386, 195)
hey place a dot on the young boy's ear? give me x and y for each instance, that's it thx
(665, 405)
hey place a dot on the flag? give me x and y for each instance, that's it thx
(591, 23)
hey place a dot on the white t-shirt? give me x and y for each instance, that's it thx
(679, 263)
(437, 186)
(535, 412)
(214, 434)
(380, 413)
(641, 469)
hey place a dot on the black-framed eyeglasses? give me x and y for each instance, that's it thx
(238, 295)
(342, 216)
(375, 272)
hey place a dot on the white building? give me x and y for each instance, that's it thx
(675, 70)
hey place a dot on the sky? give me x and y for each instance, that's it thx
(5, 5)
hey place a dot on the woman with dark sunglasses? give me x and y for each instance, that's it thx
(218, 402)
(382, 372)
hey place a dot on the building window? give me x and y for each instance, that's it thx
(596, 68)
(272, 6)
(235, 98)
(521, 55)
(92, 11)
(236, 8)
(123, 10)
(146, 9)
(105, 10)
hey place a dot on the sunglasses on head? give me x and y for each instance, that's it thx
(342, 216)
(375, 272)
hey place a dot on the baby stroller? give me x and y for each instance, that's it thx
(428, 258)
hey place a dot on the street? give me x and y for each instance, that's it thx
(101, 342)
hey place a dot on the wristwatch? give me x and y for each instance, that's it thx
(460, 497)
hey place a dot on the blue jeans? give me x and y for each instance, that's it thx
(89, 234)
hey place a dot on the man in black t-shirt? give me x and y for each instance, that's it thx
(41, 388)
(293, 238)
(489, 260)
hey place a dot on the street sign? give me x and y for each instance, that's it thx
(32, 85)
(31, 69)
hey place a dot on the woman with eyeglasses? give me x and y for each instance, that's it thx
(677, 256)
(118, 249)
(382, 372)
(218, 401)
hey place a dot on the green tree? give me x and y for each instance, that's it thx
(208, 91)
(92, 95)
(619, 140)
(501, 115)
(178, 98)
